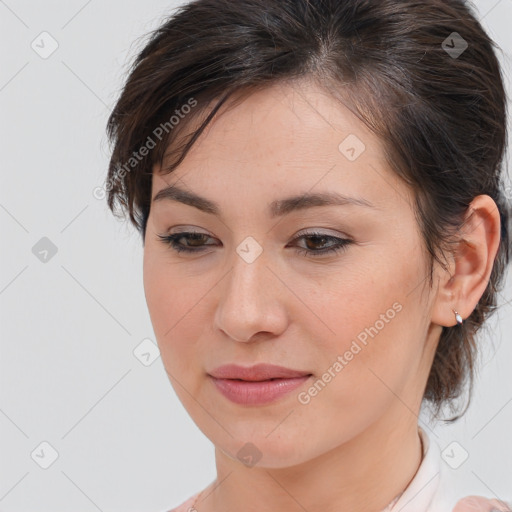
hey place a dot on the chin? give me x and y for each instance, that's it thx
(260, 451)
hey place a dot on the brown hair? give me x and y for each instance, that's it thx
(404, 69)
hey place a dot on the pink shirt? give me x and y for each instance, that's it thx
(433, 489)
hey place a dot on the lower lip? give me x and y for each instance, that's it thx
(257, 392)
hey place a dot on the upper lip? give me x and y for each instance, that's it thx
(256, 372)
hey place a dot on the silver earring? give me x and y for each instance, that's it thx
(458, 317)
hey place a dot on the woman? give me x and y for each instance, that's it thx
(318, 188)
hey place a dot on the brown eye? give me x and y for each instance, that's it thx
(316, 243)
(196, 239)
(320, 239)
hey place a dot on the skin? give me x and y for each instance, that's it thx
(355, 445)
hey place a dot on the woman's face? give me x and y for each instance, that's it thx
(356, 322)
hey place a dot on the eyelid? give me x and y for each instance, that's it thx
(303, 232)
(188, 229)
(321, 231)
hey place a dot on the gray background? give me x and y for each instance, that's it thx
(69, 325)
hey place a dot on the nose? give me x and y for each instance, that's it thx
(251, 301)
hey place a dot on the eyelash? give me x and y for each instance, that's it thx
(172, 241)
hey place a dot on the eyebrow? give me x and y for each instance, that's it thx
(276, 208)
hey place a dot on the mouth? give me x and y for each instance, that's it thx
(256, 385)
(259, 372)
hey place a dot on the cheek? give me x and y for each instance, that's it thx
(168, 292)
(350, 302)
(172, 302)
(374, 342)
(173, 307)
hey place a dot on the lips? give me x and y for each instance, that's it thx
(257, 372)
(256, 385)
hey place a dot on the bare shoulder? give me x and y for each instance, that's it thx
(481, 504)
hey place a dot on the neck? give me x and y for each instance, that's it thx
(363, 475)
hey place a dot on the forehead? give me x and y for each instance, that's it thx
(289, 135)
(280, 118)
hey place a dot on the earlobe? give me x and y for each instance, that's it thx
(464, 282)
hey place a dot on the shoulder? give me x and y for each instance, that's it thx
(186, 506)
(481, 504)
(453, 491)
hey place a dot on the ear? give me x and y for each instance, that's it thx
(461, 287)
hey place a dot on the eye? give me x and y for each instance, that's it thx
(173, 241)
(194, 242)
(316, 238)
